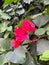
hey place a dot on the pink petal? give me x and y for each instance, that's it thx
(28, 25)
(21, 33)
(16, 43)
(23, 37)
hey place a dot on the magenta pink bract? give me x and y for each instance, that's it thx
(21, 33)
(29, 26)
(16, 43)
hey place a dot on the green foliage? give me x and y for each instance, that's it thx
(4, 15)
(13, 64)
(3, 59)
(48, 10)
(3, 26)
(6, 44)
(1, 41)
(29, 60)
(45, 56)
(17, 56)
(9, 28)
(46, 2)
(7, 2)
(48, 33)
(39, 31)
(41, 20)
(47, 29)
(9, 21)
(6, 34)
(42, 45)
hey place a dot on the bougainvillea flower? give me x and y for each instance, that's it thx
(16, 43)
(34, 29)
(29, 26)
(21, 33)
(35, 39)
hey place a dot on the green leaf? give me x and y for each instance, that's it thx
(17, 56)
(9, 28)
(13, 64)
(4, 15)
(6, 44)
(46, 2)
(42, 46)
(29, 60)
(6, 34)
(3, 26)
(39, 31)
(16, 1)
(47, 33)
(47, 29)
(43, 59)
(7, 2)
(1, 41)
(3, 59)
(47, 11)
(45, 56)
(41, 20)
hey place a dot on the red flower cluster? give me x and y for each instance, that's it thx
(21, 33)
